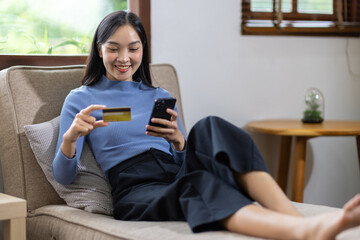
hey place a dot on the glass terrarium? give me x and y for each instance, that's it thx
(314, 106)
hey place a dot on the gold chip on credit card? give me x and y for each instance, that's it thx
(117, 114)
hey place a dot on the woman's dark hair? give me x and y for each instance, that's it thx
(95, 67)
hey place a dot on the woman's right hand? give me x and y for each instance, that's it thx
(82, 125)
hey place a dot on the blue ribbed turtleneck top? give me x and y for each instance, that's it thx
(118, 141)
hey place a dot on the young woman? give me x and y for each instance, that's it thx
(209, 179)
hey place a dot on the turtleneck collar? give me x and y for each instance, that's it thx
(106, 83)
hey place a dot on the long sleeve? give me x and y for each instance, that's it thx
(63, 168)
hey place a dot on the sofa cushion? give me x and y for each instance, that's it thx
(62, 222)
(90, 190)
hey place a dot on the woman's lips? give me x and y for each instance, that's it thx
(122, 69)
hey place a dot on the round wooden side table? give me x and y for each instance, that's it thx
(301, 132)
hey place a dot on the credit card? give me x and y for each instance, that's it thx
(117, 114)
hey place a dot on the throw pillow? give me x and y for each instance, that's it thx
(90, 190)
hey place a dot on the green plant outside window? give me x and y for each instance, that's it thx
(51, 27)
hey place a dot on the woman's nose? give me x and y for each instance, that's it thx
(123, 57)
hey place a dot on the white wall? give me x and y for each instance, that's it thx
(245, 78)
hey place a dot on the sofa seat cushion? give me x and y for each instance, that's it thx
(64, 222)
(70, 223)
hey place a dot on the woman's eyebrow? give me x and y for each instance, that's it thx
(135, 42)
(116, 43)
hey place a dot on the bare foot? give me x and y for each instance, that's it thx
(352, 212)
(328, 226)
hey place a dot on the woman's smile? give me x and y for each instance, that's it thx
(123, 68)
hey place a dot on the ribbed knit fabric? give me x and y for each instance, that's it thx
(118, 141)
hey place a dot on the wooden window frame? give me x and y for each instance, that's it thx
(345, 20)
(139, 7)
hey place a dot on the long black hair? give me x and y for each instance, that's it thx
(95, 67)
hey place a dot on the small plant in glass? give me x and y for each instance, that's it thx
(314, 106)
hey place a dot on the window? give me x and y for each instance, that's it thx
(301, 17)
(51, 26)
(57, 45)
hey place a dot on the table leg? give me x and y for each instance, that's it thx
(299, 168)
(284, 161)
(15, 229)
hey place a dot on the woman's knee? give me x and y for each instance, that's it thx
(210, 120)
(212, 123)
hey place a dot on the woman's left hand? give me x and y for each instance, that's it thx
(170, 132)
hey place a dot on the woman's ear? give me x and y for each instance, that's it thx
(99, 50)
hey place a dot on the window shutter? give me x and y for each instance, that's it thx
(342, 18)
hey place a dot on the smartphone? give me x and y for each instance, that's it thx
(159, 110)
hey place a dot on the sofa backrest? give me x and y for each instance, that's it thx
(30, 95)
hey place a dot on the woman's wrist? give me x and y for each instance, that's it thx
(179, 145)
(68, 147)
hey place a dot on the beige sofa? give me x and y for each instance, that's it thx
(33, 95)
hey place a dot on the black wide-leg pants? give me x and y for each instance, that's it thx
(202, 191)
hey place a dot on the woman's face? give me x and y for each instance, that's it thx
(122, 54)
